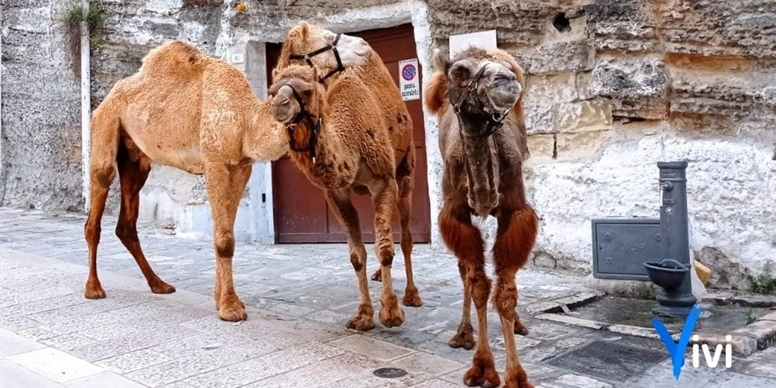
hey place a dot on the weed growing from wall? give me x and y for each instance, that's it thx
(71, 18)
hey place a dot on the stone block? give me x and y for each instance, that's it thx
(764, 332)
(557, 57)
(625, 26)
(55, 364)
(542, 96)
(580, 145)
(14, 343)
(742, 345)
(129, 362)
(576, 381)
(769, 317)
(584, 116)
(370, 347)
(573, 321)
(541, 146)
(637, 87)
(634, 331)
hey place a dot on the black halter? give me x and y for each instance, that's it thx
(332, 47)
(494, 121)
(315, 126)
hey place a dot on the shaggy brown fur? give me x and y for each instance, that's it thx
(348, 157)
(395, 121)
(190, 111)
(505, 200)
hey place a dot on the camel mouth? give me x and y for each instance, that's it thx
(503, 93)
(282, 109)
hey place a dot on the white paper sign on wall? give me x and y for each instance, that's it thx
(481, 39)
(409, 79)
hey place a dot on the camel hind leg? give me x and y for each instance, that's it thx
(104, 146)
(384, 193)
(405, 179)
(343, 209)
(133, 172)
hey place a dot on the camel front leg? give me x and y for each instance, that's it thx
(225, 186)
(514, 240)
(384, 201)
(465, 241)
(346, 214)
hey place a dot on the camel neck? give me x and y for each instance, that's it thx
(265, 139)
(481, 161)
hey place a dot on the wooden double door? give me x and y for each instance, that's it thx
(301, 212)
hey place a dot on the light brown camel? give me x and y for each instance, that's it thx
(190, 111)
(340, 145)
(305, 43)
(482, 137)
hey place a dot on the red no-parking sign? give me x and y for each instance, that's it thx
(409, 79)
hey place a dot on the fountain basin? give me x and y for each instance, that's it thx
(667, 273)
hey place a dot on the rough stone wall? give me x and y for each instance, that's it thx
(41, 132)
(615, 86)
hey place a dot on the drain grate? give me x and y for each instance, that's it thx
(617, 361)
(390, 373)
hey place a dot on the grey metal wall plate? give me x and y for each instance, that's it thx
(622, 245)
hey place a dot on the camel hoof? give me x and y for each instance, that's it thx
(482, 374)
(463, 338)
(94, 292)
(377, 276)
(391, 315)
(361, 323)
(520, 328)
(412, 298)
(232, 311)
(516, 377)
(162, 288)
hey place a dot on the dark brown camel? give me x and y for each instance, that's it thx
(482, 137)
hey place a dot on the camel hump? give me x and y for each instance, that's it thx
(175, 55)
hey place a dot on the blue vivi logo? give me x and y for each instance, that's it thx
(676, 349)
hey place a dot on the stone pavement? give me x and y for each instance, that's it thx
(299, 297)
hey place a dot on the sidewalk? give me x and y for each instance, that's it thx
(298, 298)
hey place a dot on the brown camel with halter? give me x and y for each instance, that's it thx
(304, 44)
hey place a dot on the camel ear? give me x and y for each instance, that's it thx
(275, 73)
(440, 61)
(305, 30)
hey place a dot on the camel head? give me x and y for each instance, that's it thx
(483, 87)
(328, 51)
(298, 102)
(481, 83)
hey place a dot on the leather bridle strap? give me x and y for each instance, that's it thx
(315, 126)
(333, 47)
(494, 121)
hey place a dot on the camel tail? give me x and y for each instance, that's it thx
(436, 92)
(174, 56)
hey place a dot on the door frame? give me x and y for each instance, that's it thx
(261, 198)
